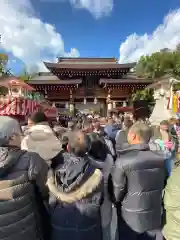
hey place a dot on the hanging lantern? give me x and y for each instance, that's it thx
(108, 99)
(124, 104)
(67, 105)
(15, 91)
(109, 106)
(85, 101)
(114, 104)
(71, 107)
(95, 100)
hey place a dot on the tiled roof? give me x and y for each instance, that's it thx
(59, 66)
(63, 60)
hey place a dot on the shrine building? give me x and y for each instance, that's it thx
(83, 84)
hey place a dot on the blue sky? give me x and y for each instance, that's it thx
(102, 37)
(124, 29)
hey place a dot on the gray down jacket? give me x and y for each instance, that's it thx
(21, 173)
(138, 179)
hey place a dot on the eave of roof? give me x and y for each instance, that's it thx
(125, 80)
(58, 66)
(55, 82)
(9, 81)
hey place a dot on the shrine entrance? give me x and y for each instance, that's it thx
(88, 107)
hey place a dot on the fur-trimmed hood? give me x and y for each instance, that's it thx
(93, 182)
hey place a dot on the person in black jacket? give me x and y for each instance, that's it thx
(101, 158)
(76, 194)
(22, 187)
(138, 181)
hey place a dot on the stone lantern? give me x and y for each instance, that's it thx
(163, 93)
(16, 87)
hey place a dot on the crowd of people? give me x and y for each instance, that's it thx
(89, 177)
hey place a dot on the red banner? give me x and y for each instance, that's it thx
(18, 106)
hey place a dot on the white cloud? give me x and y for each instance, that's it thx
(166, 35)
(27, 37)
(98, 8)
(73, 53)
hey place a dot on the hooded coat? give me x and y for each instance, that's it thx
(76, 195)
(21, 174)
(42, 140)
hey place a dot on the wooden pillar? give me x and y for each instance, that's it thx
(109, 102)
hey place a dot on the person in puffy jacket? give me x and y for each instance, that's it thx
(138, 180)
(101, 158)
(41, 138)
(22, 187)
(76, 194)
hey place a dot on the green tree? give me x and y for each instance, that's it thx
(3, 65)
(4, 71)
(178, 48)
(159, 64)
(26, 75)
(146, 94)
